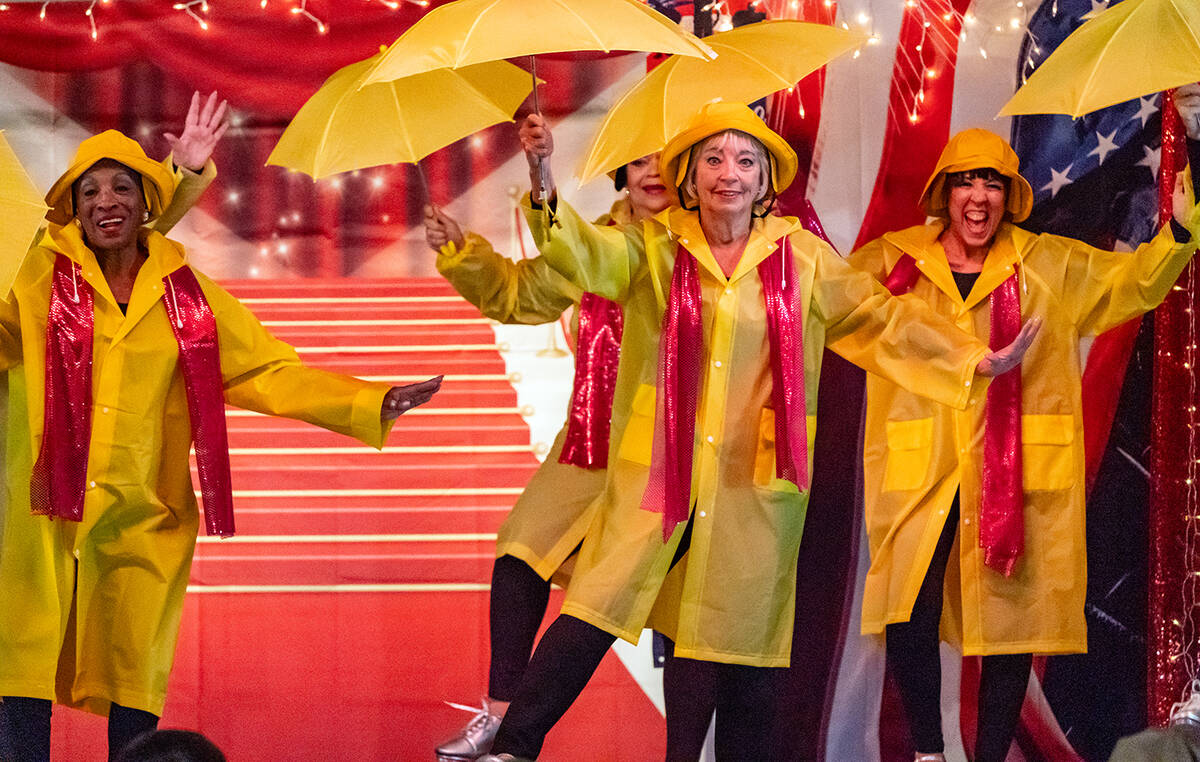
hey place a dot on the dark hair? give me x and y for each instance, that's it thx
(986, 174)
(620, 177)
(171, 746)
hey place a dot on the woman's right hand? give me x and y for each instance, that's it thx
(441, 228)
(538, 144)
(1003, 360)
(536, 140)
(1187, 103)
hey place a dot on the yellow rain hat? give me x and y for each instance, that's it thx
(714, 118)
(978, 149)
(158, 185)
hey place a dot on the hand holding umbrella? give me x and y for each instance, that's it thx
(538, 144)
(1187, 102)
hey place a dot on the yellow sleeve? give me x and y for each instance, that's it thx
(528, 291)
(898, 338)
(10, 333)
(1103, 289)
(264, 374)
(189, 186)
(598, 259)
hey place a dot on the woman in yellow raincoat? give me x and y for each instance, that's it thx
(1005, 476)
(119, 356)
(727, 312)
(548, 521)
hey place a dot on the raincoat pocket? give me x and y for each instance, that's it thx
(1047, 452)
(638, 439)
(910, 448)
(764, 459)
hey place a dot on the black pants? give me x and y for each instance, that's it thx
(28, 722)
(912, 655)
(743, 698)
(518, 603)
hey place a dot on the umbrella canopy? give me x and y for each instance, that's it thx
(753, 61)
(342, 127)
(1132, 49)
(466, 32)
(21, 214)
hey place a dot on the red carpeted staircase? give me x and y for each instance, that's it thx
(353, 599)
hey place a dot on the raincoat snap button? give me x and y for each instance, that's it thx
(717, 363)
(91, 484)
(710, 440)
(703, 514)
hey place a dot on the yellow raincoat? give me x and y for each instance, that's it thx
(549, 519)
(917, 454)
(189, 186)
(91, 609)
(732, 596)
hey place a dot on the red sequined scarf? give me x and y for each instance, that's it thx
(59, 478)
(681, 352)
(1001, 514)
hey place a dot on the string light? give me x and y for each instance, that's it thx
(189, 9)
(302, 10)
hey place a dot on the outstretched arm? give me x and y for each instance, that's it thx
(526, 291)
(401, 399)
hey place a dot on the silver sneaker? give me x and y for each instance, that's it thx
(475, 739)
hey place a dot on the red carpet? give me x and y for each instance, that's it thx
(353, 600)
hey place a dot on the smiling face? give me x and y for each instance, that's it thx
(976, 206)
(728, 174)
(647, 194)
(109, 205)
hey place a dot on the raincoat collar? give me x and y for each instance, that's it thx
(684, 226)
(621, 212)
(921, 243)
(163, 257)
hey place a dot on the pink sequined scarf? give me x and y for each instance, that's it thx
(597, 355)
(58, 480)
(681, 352)
(1001, 514)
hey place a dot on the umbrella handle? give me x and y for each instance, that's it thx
(424, 182)
(539, 192)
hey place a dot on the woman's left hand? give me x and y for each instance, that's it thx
(401, 399)
(201, 132)
(1004, 360)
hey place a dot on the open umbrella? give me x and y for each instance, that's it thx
(467, 32)
(342, 127)
(21, 214)
(1130, 50)
(754, 61)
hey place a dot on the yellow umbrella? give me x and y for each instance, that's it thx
(466, 32)
(21, 214)
(1132, 49)
(753, 61)
(342, 127)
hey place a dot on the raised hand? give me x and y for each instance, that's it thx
(538, 144)
(201, 132)
(1004, 360)
(401, 399)
(441, 228)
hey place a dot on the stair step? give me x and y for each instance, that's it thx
(344, 563)
(381, 519)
